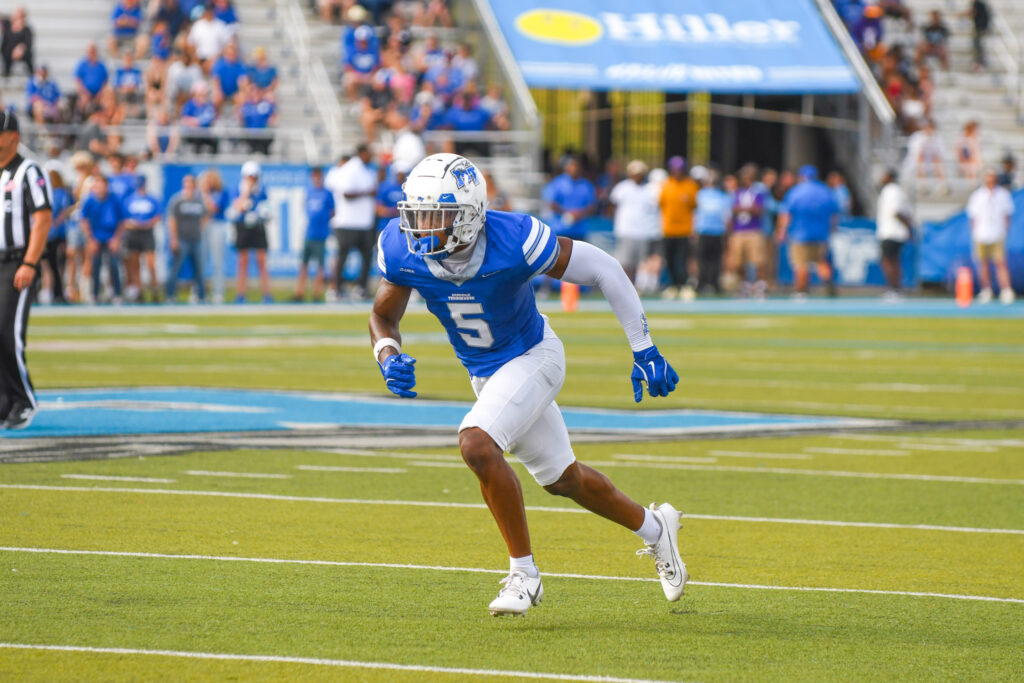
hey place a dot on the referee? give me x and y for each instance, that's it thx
(25, 217)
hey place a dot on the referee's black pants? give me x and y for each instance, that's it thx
(363, 240)
(14, 306)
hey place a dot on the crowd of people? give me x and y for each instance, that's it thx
(179, 69)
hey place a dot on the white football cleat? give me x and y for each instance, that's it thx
(519, 594)
(667, 562)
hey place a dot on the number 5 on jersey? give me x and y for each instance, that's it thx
(474, 331)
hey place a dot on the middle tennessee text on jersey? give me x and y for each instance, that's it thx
(488, 309)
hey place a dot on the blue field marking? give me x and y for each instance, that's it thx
(106, 412)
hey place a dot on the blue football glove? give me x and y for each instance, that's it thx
(399, 374)
(650, 367)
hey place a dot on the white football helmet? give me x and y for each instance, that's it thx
(445, 205)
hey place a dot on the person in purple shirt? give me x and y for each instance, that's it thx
(747, 243)
(808, 215)
(90, 78)
(199, 113)
(258, 112)
(43, 98)
(126, 18)
(101, 221)
(227, 73)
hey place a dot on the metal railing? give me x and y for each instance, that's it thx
(315, 78)
(1011, 54)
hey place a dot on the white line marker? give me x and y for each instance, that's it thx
(341, 468)
(954, 443)
(917, 446)
(481, 506)
(437, 463)
(480, 570)
(762, 456)
(854, 451)
(343, 663)
(97, 477)
(663, 458)
(241, 475)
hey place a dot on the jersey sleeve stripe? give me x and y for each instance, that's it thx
(531, 240)
(37, 192)
(550, 261)
(541, 246)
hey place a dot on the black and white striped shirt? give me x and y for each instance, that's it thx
(24, 189)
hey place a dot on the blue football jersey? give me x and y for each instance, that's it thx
(488, 309)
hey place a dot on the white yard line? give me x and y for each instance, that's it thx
(663, 458)
(341, 468)
(763, 456)
(342, 663)
(479, 570)
(98, 477)
(481, 506)
(855, 451)
(240, 475)
(436, 463)
(955, 443)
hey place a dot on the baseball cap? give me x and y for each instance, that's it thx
(809, 172)
(8, 121)
(364, 32)
(250, 168)
(676, 163)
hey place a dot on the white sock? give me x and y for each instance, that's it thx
(524, 563)
(650, 530)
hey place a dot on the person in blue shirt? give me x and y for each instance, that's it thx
(126, 18)
(360, 62)
(390, 192)
(227, 73)
(142, 212)
(162, 41)
(90, 78)
(128, 86)
(710, 222)
(43, 98)
(473, 268)
(319, 209)
(808, 215)
(121, 181)
(63, 205)
(262, 73)
(571, 199)
(249, 210)
(464, 116)
(198, 114)
(225, 11)
(101, 223)
(258, 113)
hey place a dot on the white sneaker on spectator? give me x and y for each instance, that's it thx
(331, 296)
(669, 293)
(984, 296)
(519, 594)
(1006, 296)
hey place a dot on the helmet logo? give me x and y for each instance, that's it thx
(463, 174)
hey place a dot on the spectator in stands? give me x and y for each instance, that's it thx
(319, 210)
(465, 116)
(637, 228)
(354, 185)
(224, 10)
(101, 217)
(809, 215)
(249, 211)
(867, 33)
(258, 114)
(464, 63)
(170, 14)
(990, 209)
(896, 9)
(746, 242)
(227, 74)
(91, 136)
(432, 13)
(17, 42)
(981, 20)
(360, 63)
(162, 41)
(1008, 176)
(494, 103)
(497, 199)
(90, 79)
(571, 199)
(141, 214)
(129, 86)
(125, 19)
(605, 182)
(161, 135)
(56, 244)
(925, 153)
(429, 56)
(121, 182)
(183, 73)
(197, 118)
(355, 18)
(913, 109)
(936, 41)
(262, 73)
(208, 36)
(186, 219)
(677, 201)
(711, 221)
(968, 152)
(402, 84)
(894, 223)
(331, 10)
(837, 183)
(43, 98)
(376, 104)
(155, 79)
(377, 9)
(390, 192)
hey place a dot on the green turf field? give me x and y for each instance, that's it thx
(841, 556)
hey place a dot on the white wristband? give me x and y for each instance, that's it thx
(384, 343)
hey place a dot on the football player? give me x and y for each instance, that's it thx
(473, 268)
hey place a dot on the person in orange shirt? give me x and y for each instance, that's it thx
(677, 201)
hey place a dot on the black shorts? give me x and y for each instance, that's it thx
(250, 238)
(315, 251)
(139, 241)
(891, 249)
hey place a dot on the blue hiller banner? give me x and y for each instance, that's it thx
(718, 46)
